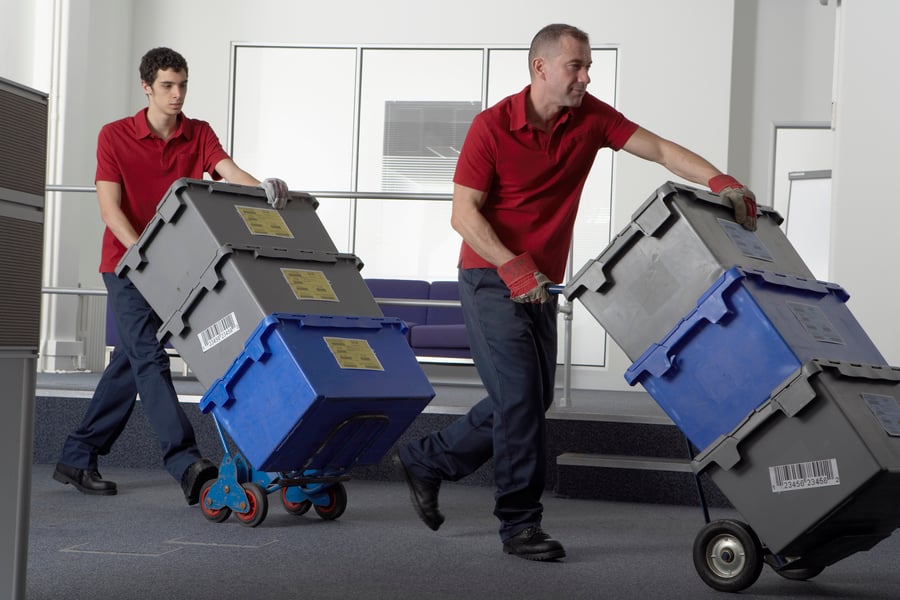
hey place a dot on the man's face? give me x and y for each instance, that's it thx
(566, 71)
(168, 91)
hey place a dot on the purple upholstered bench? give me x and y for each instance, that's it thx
(444, 332)
(434, 331)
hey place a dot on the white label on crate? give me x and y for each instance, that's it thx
(218, 331)
(746, 242)
(815, 322)
(804, 476)
(886, 410)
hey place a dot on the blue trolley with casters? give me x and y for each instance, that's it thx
(310, 397)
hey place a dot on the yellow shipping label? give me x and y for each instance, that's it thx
(309, 285)
(353, 353)
(264, 221)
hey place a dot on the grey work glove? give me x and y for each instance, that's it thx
(742, 200)
(276, 192)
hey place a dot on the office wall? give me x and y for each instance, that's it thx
(710, 74)
(783, 64)
(26, 42)
(866, 207)
(666, 48)
(92, 73)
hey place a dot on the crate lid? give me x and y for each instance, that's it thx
(173, 204)
(793, 395)
(648, 220)
(257, 348)
(712, 306)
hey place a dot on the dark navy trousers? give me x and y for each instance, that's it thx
(514, 350)
(138, 365)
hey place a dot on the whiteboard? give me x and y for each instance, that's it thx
(808, 220)
(797, 147)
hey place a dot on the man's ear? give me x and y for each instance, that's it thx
(537, 67)
(148, 89)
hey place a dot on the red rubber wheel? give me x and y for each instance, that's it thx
(295, 508)
(257, 505)
(216, 515)
(337, 503)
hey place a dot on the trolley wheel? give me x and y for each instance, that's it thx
(728, 556)
(295, 508)
(216, 515)
(258, 505)
(802, 574)
(337, 503)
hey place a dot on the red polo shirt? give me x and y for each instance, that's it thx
(129, 154)
(534, 180)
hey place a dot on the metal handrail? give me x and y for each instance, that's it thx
(73, 291)
(70, 188)
(565, 308)
(391, 301)
(327, 194)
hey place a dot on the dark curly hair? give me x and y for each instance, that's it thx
(161, 59)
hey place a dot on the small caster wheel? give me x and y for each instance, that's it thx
(257, 505)
(216, 515)
(802, 574)
(337, 503)
(295, 508)
(728, 556)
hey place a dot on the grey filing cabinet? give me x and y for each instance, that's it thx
(23, 151)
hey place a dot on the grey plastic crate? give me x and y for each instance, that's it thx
(678, 243)
(815, 471)
(195, 218)
(243, 285)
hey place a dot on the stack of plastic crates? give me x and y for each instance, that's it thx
(724, 325)
(304, 373)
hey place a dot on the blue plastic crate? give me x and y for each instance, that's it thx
(320, 392)
(749, 331)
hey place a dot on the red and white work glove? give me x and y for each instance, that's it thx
(526, 284)
(742, 200)
(276, 192)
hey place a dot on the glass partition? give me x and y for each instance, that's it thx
(388, 120)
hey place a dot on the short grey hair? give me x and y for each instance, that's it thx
(551, 34)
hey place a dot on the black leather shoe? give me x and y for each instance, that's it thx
(533, 544)
(195, 476)
(87, 481)
(424, 495)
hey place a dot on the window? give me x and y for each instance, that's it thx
(383, 121)
(422, 140)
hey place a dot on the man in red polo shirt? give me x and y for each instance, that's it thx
(517, 186)
(138, 158)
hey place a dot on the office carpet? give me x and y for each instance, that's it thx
(146, 543)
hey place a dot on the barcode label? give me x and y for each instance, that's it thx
(218, 331)
(803, 476)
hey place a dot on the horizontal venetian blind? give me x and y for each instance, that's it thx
(422, 140)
